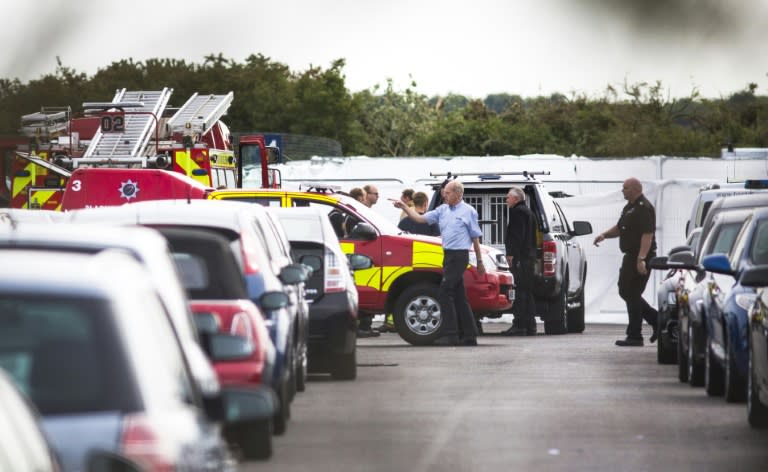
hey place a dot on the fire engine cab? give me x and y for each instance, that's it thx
(132, 135)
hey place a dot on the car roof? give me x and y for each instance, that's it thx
(211, 213)
(308, 214)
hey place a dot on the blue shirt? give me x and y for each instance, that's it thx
(458, 224)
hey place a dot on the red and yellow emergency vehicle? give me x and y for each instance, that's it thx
(407, 268)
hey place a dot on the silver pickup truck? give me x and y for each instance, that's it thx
(561, 266)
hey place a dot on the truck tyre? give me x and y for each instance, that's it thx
(417, 314)
(576, 316)
(556, 321)
(301, 373)
(344, 366)
(713, 374)
(757, 411)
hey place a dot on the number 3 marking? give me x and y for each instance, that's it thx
(77, 185)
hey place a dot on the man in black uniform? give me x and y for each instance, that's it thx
(636, 229)
(520, 245)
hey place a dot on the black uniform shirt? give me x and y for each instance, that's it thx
(636, 219)
(520, 240)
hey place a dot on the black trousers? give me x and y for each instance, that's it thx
(524, 308)
(458, 318)
(631, 287)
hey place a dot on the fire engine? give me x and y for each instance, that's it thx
(132, 133)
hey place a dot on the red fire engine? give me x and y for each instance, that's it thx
(132, 134)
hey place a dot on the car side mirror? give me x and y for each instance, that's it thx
(270, 301)
(684, 257)
(717, 263)
(581, 228)
(293, 274)
(677, 249)
(755, 276)
(658, 263)
(359, 261)
(363, 231)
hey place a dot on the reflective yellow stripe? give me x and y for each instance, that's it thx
(391, 274)
(348, 248)
(187, 164)
(427, 255)
(368, 277)
(21, 183)
(38, 198)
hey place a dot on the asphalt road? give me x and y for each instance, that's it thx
(569, 403)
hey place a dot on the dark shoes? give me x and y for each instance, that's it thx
(454, 341)
(367, 333)
(518, 331)
(630, 342)
(387, 328)
(654, 336)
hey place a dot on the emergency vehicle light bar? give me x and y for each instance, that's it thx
(108, 105)
(524, 172)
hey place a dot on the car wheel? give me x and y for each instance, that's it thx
(713, 373)
(301, 373)
(284, 408)
(757, 411)
(695, 366)
(682, 359)
(576, 316)
(556, 321)
(344, 366)
(735, 390)
(417, 314)
(255, 440)
(665, 351)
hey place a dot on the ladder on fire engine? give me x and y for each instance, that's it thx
(199, 113)
(47, 122)
(130, 145)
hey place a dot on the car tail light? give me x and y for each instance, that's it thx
(549, 249)
(334, 275)
(142, 443)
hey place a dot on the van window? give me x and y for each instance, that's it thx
(759, 249)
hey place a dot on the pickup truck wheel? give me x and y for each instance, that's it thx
(576, 316)
(344, 366)
(417, 314)
(556, 321)
(284, 409)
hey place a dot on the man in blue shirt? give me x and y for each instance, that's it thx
(460, 230)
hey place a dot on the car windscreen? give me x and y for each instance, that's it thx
(302, 228)
(64, 353)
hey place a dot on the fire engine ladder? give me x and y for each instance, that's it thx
(129, 146)
(47, 122)
(199, 113)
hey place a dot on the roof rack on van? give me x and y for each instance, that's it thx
(528, 174)
(319, 187)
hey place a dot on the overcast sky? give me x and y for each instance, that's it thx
(473, 48)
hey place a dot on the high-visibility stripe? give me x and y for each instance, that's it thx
(44, 199)
(390, 274)
(369, 278)
(427, 255)
(183, 163)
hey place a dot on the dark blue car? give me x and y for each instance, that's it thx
(757, 377)
(727, 314)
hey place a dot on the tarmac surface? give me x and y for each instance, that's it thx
(547, 403)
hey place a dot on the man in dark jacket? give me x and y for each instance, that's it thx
(520, 244)
(420, 203)
(636, 230)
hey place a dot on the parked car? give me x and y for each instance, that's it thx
(232, 322)
(667, 292)
(561, 264)
(23, 445)
(727, 344)
(707, 195)
(757, 375)
(89, 340)
(330, 289)
(406, 269)
(695, 288)
(236, 222)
